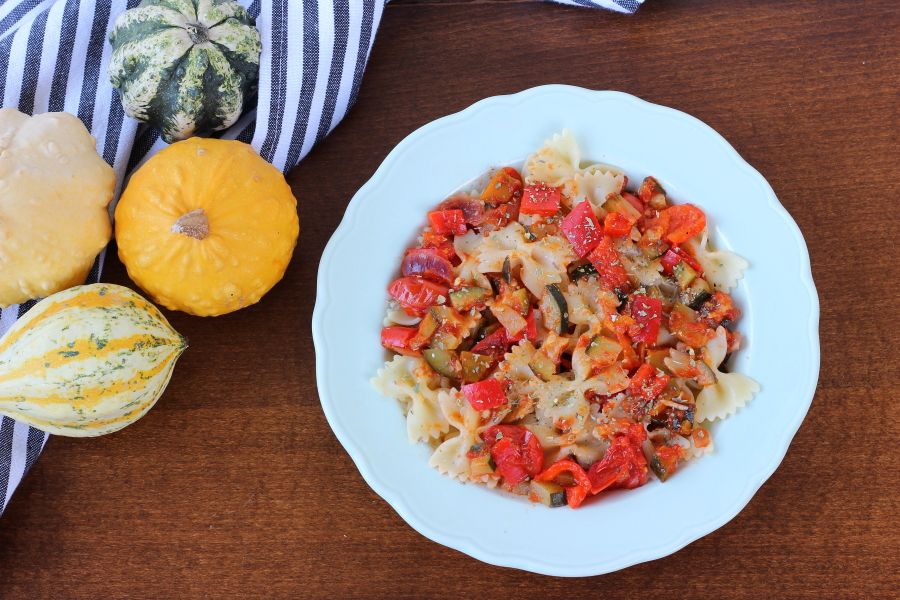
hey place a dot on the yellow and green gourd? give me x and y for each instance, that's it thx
(87, 361)
(188, 67)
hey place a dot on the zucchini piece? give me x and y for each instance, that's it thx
(547, 493)
(542, 365)
(556, 310)
(603, 350)
(657, 467)
(474, 366)
(481, 465)
(467, 298)
(426, 329)
(684, 275)
(519, 301)
(507, 268)
(445, 362)
(585, 270)
(697, 293)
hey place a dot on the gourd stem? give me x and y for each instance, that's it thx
(197, 32)
(193, 224)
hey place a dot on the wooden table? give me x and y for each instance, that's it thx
(234, 484)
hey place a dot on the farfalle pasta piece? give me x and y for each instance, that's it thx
(647, 272)
(582, 444)
(588, 302)
(593, 184)
(731, 390)
(412, 382)
(721, 268)
(556, 162)
(451, 457)
(539, 263)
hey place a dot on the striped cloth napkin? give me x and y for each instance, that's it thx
(53, 57)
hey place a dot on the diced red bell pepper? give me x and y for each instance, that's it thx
(623, 465)
(427, 263)
(685, 325)
(415, 293)
(397, 338)
(617, 225)
(504, 186)
(647, 315)
(582, 229)
(485, 394)
(493, 344)
(647, 383)
(516, 452)
(540, 199)
(684, 222)
(675, 255)
(529, 332)
(447, 222)
(575, 494)
(609, 266)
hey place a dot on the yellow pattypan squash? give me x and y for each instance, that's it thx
(207, 226)
(54, 192)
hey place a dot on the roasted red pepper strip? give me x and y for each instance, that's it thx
(540, 199)
(647, 383)
(647, 315)
(397, 338)
(675, 255)
(516, 452)
(447, 222)
(608, 264)
(485, 394)
(575, 494)
(582, 229)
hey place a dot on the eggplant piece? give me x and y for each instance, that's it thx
(474, 366)
(684, 275)
(581, 271)
(698, 292)
(507, 269)
(542, 365)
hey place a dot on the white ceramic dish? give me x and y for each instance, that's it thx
(695, 164)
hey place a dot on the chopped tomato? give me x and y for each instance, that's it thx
(485, 394)
(498, 217)
(651, 192)
(440, 243)
(516, 452)
(529, 332)
(685, 221)
(617, 225)
(582, 229)
(397, 338)
(471, 207)
(609, 266)
(451, 221)
(493, 344)
(540, 199)
(415, 293)
(427, 263)
(719, 309)
(675, 255)
(647, 315)
(668, 457)
(623, 465)
(684, 325)
(504, 186)
(575, 494)
(700, 437)
(647, 383)
(634, 201)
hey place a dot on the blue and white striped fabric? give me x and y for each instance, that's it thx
(53, 57)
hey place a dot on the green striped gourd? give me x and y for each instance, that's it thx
(188, 67)
(87, 361)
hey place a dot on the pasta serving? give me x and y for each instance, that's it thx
(558, 335)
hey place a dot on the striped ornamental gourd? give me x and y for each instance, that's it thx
(87, 361)
(187, 67)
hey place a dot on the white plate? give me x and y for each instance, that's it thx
(694, 164)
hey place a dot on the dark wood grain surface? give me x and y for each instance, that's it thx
(234, 484)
